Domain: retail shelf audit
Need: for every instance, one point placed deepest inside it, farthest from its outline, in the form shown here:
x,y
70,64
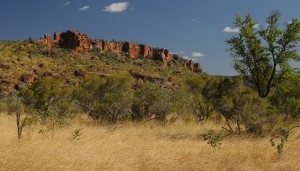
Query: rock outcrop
x,y
46,39
146,77
197,67
56,37
163,55
190,65
76,41
132,49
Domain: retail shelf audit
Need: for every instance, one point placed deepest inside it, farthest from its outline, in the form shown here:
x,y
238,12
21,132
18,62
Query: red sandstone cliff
x,y
76,40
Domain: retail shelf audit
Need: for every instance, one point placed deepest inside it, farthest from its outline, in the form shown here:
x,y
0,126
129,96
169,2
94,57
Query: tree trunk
x,y
18,118
228,124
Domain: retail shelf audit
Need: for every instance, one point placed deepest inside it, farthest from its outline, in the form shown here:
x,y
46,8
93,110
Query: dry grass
x,y
139,147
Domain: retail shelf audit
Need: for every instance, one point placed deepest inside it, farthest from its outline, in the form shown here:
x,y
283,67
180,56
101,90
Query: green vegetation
x,y
214,138
263,56
100,85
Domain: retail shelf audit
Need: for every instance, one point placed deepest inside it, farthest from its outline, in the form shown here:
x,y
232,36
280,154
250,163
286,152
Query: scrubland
x,y
148,146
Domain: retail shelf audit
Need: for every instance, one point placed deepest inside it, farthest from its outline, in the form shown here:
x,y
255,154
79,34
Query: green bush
x,y
213,138
150,102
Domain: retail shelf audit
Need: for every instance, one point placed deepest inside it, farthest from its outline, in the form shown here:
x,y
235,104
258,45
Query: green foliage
x,y
106,99
150,102
199,106
225,97
180,103
213,138
88,96
288,101
50,102
117,96
263,56
284,135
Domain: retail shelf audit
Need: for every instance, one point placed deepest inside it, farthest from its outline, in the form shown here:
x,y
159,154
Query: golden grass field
x,y
139,147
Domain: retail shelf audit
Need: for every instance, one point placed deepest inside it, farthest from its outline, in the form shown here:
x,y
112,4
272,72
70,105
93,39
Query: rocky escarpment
x,y
77,41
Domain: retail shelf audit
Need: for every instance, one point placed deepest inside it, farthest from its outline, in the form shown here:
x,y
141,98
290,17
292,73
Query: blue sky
x,y
192,28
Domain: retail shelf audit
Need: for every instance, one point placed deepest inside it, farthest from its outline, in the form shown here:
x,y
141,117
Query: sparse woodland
x,y
93,114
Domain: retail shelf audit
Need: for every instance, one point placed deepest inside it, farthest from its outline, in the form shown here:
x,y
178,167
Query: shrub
x,y
50,102
214,138
150,102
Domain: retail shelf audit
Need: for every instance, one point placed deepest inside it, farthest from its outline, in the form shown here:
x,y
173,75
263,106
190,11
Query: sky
x,y
194,29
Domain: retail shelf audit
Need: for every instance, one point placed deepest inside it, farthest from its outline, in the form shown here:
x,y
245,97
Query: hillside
x,y
71,56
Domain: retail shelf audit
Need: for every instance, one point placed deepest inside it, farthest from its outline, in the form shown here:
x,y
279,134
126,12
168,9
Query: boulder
x,y
27,78
48,74
36,71
81,73
42,65
146,77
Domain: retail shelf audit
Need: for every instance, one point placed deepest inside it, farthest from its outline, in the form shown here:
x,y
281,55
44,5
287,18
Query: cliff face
x,y
79,41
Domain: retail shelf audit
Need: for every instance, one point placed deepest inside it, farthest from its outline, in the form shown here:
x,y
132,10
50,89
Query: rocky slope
x,y
77,41
72,55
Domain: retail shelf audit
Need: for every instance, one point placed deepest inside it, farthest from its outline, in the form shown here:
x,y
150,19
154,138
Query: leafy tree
x,y
150,102
50,101
14,104
180,104
253,111
200,107
226,100
117,95
105,99
288,101
263,56
88,96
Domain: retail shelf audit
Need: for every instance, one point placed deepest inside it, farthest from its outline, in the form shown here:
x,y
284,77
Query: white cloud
x,y
84,8
116,7
67,3
194,19
235,30
197,54
231,30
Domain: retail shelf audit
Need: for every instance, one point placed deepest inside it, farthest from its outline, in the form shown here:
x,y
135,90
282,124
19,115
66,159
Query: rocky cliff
x,y
77,41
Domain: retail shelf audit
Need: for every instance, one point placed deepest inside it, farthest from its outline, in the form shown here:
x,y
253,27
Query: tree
x,y
288,101
50,101
88,96
117,95
105,99
200,107
14,104
150,102
263,56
